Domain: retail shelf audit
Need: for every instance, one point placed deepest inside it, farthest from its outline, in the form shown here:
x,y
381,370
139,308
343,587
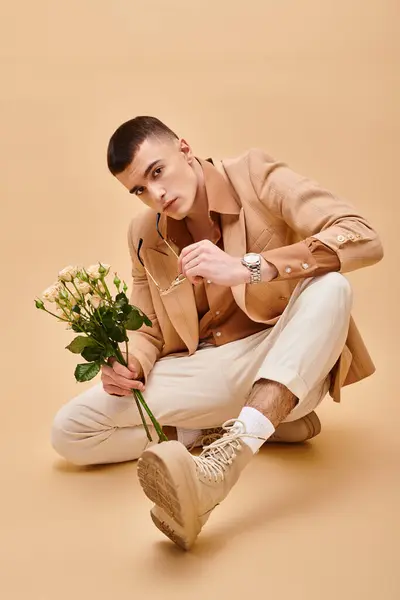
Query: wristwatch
x,y
253,262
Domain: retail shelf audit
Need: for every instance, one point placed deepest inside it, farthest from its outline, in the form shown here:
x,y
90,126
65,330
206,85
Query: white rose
x,y
68,273
51,294
83,287
96,301
93,272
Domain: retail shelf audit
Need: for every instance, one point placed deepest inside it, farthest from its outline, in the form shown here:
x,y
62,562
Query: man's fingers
x,y
134,365
107,371
185,254
192,263
124,371
113,389
110,377
127,384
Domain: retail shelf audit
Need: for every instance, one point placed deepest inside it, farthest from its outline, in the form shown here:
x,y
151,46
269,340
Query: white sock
x,y
256,424
187,437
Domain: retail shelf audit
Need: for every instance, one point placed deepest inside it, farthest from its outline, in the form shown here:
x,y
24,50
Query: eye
x,y
139,191
157,171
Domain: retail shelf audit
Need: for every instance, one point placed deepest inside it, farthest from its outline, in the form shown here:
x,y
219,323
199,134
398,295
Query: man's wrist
x,y
268,270
244,273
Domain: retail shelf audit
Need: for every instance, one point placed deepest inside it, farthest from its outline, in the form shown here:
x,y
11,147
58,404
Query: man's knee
x,y
338,289
65,437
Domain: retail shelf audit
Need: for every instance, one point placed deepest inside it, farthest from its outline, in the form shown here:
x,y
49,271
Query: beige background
x,y
315,84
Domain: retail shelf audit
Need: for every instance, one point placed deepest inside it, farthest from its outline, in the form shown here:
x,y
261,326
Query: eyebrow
x,y
147,171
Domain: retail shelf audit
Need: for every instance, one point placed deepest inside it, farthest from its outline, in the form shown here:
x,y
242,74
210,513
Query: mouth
x,y
169,204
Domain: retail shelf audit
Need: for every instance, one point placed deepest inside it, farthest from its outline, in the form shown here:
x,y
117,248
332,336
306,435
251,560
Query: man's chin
x,y
177,216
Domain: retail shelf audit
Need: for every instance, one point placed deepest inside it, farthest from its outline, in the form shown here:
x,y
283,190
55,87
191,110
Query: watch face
x,y
252,258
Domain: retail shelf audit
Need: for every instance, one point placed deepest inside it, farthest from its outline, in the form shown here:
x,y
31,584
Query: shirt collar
x,y
219,195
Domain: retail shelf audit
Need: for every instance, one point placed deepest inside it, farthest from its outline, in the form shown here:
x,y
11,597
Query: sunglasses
x,y
178,280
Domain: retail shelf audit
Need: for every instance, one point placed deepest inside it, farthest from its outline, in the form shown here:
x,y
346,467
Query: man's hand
x,y
120,380
205,260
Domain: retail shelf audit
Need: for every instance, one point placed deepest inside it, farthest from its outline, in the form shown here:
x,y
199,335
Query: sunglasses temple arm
x,y
171,248
151,277
161,235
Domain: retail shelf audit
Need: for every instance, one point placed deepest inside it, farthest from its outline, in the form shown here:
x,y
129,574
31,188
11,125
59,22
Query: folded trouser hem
x,y
287,377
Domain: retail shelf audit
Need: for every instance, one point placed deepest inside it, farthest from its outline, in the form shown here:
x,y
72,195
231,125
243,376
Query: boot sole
x,y
167,481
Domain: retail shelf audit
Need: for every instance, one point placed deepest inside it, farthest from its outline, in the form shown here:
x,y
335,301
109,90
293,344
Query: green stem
x,y
54,315
82,298
98,291
120,356
161,435
139,399
126,352
103,281
143,420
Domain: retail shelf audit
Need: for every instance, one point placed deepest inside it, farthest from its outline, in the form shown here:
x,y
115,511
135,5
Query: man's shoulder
x,y
251,161
143,224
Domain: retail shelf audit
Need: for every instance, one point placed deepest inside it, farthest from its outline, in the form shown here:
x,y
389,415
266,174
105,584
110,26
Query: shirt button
x,y
340,238
288,270
305,265
218,334
217,312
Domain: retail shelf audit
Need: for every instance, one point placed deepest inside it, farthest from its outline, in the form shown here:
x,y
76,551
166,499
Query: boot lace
x,y
217,456
206,438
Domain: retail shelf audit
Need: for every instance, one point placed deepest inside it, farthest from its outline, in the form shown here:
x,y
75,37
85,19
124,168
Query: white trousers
x,y
211,386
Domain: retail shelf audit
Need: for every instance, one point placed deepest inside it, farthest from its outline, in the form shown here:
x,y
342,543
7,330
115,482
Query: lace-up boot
x,y
187,488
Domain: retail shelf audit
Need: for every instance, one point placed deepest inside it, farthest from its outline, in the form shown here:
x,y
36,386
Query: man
x,y
238,264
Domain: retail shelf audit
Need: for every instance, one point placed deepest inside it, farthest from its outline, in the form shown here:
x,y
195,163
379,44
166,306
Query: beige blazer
x,y
277,209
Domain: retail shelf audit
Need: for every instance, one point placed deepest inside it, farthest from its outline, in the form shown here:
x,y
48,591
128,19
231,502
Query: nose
x,y
159,193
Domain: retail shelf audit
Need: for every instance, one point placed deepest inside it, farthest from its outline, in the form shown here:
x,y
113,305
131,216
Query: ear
x,y
186,150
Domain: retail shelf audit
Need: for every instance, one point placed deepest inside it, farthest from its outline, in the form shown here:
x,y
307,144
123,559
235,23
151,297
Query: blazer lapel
x,y
180,303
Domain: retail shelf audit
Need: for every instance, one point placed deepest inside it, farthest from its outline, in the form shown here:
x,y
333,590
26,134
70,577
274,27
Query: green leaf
x,y
110,351
86,371
121,299
113,329
93,353
147,321
117,334
134,320
124,312
145,318
80,343
107,319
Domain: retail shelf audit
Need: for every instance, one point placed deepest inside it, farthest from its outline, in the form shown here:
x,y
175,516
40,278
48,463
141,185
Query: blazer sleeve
x,y
334,235
146,343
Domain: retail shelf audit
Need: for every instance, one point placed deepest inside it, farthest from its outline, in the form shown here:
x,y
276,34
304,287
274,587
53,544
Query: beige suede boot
x,y
187,488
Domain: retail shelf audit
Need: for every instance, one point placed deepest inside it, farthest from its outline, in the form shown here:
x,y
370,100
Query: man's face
x,y
163,177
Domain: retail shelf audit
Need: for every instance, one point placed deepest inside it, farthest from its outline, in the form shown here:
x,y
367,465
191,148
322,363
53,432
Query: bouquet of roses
x,y
83,300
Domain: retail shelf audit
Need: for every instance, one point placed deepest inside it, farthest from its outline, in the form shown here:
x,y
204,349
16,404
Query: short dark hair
x,y
127,139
